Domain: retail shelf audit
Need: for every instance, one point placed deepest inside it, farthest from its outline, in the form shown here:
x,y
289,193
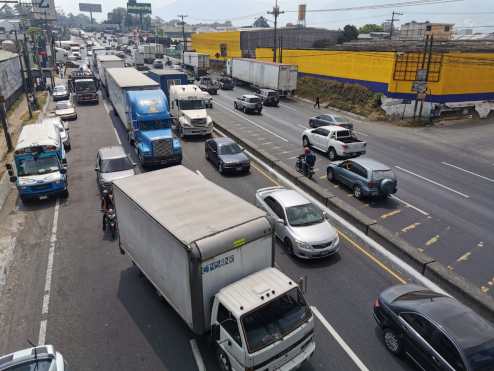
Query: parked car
x,y
269,97
248,103
62,127
206,83
226,83
300,225
364,176
434,330
329,119
226,155
335,141
60,92
42,358
65,110
158,63
112,163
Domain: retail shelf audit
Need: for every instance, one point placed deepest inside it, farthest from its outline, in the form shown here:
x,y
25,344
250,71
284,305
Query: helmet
x,y
306,150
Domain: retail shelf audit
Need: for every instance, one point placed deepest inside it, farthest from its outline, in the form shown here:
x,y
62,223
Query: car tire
x,y
222,360
235,105
330,175
244,109
357,192
287,245
305,142
392,342
221,169
332,155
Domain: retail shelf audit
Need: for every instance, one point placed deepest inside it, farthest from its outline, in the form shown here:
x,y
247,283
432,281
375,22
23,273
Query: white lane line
x,y
253,123
48,277
410,205
199,173
433,182
197,355
116,134
340,340
468,171
288,107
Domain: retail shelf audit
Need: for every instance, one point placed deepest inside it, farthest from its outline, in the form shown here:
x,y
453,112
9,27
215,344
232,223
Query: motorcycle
x,y
110,222
299,166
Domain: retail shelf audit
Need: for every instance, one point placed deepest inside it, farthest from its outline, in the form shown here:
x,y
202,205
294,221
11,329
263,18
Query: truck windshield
x,y
153,125
37,166
275,319
83,86
191,104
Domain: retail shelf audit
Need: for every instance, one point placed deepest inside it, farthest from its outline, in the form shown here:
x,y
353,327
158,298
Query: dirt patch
x,y
348,97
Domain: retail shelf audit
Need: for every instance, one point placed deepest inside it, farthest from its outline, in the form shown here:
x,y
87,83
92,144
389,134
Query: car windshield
x,y
275,319
481,357
303,215
230,149
272,94
253,100
63,105
37,166
116,164
191,104
40,365
85,86
153,125
59,89
382,174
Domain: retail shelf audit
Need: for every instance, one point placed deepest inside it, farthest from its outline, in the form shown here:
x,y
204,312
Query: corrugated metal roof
x,y
5,55
186,204
129,77
252,291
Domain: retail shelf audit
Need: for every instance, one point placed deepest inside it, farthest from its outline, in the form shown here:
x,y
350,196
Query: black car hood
x,y
236,158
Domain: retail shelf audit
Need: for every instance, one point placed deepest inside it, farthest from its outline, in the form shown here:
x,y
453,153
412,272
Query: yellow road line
x,y
264,173
433,240
410,227
464,257
391,213
322,177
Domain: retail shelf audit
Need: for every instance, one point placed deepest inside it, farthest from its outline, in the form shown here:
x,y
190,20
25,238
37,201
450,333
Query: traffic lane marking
x,y
252,122
433,182
410,227
197,355
432,240
410,205
339,339
390,214
468,171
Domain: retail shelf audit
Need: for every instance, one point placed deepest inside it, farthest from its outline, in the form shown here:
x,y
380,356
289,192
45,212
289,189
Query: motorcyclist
x,y
106,204
308,159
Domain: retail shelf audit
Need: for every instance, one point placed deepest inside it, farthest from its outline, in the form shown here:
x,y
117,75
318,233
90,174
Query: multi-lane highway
x,y
68,284
445,179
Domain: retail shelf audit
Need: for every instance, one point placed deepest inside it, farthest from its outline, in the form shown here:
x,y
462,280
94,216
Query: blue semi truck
x,y
143,109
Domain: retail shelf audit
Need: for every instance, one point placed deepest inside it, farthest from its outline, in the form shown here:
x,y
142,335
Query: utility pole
x,y
3,119
184,41
427,70
393,20
426,43
23,76
276,13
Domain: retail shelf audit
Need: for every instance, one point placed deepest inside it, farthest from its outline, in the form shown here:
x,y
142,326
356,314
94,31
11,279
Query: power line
x,y
392,20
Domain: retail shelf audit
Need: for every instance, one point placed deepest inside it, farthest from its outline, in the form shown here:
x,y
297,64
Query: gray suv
x,y
364,176
269,97
248,103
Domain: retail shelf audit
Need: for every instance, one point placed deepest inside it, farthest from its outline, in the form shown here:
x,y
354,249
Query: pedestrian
x,y
317,103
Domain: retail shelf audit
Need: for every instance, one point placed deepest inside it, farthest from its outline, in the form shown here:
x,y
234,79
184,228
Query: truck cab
x,y
189,111
40,163
84,86
151,131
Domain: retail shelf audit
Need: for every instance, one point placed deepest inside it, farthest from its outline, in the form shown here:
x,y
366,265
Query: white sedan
x,y
65,110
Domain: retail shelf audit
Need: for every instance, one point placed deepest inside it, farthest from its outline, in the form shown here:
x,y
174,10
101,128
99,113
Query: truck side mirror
x,y
8,166
13,178
215,332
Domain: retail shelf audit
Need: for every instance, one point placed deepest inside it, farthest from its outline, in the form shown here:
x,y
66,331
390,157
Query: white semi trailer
x,y
210,255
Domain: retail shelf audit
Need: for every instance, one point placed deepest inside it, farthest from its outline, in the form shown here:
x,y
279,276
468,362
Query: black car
x,y
226,83
329,119
226,155
269,97
434,330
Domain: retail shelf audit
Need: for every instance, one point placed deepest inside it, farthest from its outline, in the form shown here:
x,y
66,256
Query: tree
x,y
370,27
261,22
350,33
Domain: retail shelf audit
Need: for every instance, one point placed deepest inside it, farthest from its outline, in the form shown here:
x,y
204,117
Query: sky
x,y
478,14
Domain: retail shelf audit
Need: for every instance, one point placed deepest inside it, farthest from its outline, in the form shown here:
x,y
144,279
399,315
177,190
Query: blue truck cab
x,y
40,165
151,131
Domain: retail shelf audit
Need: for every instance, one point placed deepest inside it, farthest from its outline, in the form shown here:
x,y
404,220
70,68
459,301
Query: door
x,y
319,137
345,172
357,174
230,338
213,152
277,216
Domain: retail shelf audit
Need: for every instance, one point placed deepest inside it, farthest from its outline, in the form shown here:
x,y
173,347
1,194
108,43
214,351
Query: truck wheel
x,y
223,360
65,193
357,192
332,154
221,169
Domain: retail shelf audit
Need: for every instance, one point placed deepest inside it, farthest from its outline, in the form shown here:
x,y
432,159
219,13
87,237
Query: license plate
x,y
239,168
43,197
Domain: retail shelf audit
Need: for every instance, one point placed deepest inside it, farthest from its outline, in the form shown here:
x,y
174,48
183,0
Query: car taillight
x,y
376,303
344,146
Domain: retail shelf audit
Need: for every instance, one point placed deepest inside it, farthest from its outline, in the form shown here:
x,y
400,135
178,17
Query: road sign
x,y
44,4
419,86
138,8
92,8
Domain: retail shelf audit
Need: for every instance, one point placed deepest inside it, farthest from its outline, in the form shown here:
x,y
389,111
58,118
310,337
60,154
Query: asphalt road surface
x,y
444,202
67,282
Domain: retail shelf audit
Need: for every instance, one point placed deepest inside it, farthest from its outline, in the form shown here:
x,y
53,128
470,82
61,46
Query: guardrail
x,y
427,266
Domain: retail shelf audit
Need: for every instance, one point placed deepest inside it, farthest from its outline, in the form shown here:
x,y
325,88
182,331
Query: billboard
x,y
92,8
138,8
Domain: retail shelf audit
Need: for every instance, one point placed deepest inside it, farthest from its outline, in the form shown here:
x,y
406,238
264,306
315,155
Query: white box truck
x,y
210,255
265,75
196,62
107,61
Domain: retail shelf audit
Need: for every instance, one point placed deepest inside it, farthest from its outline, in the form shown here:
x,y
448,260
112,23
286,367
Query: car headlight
x,y
23,188
303,245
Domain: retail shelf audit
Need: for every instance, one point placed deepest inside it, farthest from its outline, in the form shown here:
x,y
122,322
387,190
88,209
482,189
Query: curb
x,y
458,286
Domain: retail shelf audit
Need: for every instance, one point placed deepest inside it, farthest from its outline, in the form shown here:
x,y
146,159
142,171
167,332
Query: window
x,y
428,28
275,206
229,323
447,28
212,145
359,170
419,324
447,350
230,149
321,132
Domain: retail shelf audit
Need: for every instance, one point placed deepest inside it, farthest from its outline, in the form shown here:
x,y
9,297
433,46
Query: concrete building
x,y
418,31
10,77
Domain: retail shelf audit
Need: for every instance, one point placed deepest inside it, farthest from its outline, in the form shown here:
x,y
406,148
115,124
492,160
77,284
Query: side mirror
x,y
13,179
8,166
280,221
96,169
63,171
215,332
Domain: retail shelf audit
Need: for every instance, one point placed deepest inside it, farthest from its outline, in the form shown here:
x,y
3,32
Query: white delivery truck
x,y
187,104
61,55
210,255
197,63
107,61
151,51
265,75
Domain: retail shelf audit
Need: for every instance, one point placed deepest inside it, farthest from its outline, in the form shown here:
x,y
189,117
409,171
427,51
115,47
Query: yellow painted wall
x,y
468,73
209,43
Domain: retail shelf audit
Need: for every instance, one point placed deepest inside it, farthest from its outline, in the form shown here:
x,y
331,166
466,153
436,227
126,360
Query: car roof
x,y
223,140
250,96
370,163
112,152
289,198
333,128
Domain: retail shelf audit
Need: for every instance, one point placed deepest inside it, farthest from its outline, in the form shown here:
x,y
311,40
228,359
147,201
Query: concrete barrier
x,y
426,265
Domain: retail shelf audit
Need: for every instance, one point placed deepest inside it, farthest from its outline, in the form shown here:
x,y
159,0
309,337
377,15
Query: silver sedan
x,y
300,225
